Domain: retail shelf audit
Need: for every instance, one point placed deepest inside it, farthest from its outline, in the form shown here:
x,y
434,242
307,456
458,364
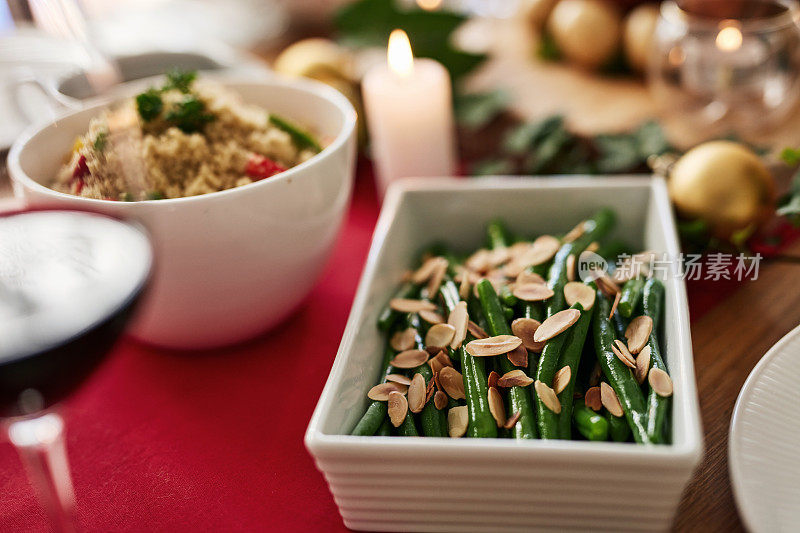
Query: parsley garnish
x,y
180,80
100,141
149,104
189,115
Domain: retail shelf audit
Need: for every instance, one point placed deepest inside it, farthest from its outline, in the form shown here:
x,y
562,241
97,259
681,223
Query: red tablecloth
x,y
170,441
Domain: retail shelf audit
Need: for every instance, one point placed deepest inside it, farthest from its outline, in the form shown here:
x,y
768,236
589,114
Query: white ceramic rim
x,y
734,466
311,87
691,451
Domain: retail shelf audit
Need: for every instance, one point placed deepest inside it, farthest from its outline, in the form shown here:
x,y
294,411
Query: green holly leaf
x,y
476,110
651,140
618,153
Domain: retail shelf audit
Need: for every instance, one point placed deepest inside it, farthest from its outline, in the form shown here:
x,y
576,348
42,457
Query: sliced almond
x,y
605,282
556,324
609,399
532,292
642,364
406,305
437,277
561,379
435,365
479,261
638,333
529,277
518,356
493,345
452,382
457,421
622,353
424,273
525,329
443,358
498,256
515,378
592,398
660,382
381,391
548,396
409,359
496,407
577,292
440,335
511,422
416,394
398,408
617,298
493,377
593,247
399,378
403,340
476,331
463,289
570,268
440,400
431,317
544,248
459,319
575,232
430,389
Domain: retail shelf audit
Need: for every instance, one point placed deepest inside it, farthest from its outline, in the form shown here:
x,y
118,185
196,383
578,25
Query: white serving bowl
x,y
230,264
438,484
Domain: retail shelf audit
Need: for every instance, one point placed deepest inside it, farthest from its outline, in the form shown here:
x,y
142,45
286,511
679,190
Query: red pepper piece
x,y
81,169
259,167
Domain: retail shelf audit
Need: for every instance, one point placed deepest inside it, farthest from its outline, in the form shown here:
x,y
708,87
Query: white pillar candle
x,y
409,109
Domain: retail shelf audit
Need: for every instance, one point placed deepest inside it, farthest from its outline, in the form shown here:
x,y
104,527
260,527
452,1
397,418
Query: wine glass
x,y
722,67
69,282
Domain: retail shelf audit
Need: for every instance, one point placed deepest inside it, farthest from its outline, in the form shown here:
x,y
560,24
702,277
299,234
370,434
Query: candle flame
x,y
729,38
401,60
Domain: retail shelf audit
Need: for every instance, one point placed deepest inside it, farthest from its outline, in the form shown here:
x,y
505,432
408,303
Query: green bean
x,y
545,369
631,296
519,400
497,234
620,325
385,429
376,412
618,375
432,420
657,406
571,357
588,423
618,428
408,428
473,372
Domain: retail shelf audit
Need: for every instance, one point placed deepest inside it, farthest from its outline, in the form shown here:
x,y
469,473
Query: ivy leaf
x,y
476,110
521,139
493,167
618,153
651,140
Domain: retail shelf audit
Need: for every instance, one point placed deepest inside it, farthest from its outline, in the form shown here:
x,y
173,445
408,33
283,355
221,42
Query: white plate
x,y
763,442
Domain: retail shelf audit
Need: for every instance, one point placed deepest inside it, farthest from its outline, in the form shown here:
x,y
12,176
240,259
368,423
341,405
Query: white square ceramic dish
x,y
432,484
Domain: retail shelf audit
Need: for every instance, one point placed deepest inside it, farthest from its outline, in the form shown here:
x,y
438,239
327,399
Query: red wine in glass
x,y
69,282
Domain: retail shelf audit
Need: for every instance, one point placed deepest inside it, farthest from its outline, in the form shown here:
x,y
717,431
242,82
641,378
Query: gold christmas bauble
x,y
637,35
723,183
315,58
587,32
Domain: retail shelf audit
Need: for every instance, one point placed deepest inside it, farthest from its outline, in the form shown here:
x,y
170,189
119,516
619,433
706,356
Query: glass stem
x,y
40,443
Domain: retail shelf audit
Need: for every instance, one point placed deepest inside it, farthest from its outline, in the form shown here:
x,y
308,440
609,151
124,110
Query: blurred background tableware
x,y
69,283
722,67
233,263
